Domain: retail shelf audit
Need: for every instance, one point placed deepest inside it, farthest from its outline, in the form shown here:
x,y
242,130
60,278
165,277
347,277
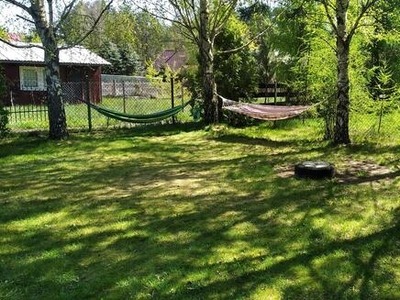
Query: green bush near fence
x,y
4,130
3,112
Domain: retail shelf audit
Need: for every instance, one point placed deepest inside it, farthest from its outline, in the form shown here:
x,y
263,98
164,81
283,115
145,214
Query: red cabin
x,y
24,72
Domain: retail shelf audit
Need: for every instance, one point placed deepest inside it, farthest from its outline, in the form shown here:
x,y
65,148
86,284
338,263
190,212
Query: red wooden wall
x,y
73,79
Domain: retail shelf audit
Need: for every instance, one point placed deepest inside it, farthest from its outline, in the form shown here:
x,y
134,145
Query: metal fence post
x,y
182,93
89,111
123,96
172,97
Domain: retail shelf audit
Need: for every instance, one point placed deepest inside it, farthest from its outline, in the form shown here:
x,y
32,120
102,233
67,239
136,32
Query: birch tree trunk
x,y
211,108
341,135
57,118
202,21
48,16
45,28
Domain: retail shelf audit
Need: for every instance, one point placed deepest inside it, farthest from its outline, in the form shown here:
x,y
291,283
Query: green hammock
x,y
132,118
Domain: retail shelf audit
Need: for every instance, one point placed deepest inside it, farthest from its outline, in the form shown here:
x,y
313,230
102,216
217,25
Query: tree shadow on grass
x,y
165,252
26,143
321,145
321,287
21,146
353,179
287,147
163,226
156,130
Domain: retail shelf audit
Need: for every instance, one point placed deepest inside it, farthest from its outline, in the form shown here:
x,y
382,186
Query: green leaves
x,y
236,73
123,58
3,112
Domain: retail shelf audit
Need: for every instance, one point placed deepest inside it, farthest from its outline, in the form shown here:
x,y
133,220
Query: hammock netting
x,y
135,118
264,112
257,111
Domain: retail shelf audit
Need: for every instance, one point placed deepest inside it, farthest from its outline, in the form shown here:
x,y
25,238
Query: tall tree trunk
x,y
341,135
211,108
57,118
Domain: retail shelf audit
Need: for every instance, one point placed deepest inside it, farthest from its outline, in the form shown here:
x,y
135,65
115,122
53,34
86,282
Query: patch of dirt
x,y
363,171
350,171
285,171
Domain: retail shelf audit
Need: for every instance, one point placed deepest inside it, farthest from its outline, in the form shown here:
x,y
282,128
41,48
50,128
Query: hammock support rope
x,y
134,118
264,112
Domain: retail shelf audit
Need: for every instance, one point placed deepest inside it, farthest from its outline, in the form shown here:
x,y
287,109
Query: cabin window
x,y
32,78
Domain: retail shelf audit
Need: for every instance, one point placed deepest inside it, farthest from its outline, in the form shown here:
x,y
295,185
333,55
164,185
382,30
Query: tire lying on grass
x,y
314,170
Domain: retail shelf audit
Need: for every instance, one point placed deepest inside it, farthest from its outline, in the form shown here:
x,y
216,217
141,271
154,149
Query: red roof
x,y
174,59
16,37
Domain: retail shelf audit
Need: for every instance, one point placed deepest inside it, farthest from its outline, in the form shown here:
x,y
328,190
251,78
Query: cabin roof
x,y
30,53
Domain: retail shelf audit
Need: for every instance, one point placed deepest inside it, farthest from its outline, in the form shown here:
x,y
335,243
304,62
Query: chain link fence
x,y
380,120
140,95
124,94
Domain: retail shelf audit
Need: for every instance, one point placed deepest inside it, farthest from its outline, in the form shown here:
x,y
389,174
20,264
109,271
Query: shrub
x,y
3,112
4,130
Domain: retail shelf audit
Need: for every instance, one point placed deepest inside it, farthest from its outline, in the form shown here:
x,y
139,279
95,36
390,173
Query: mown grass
x,y
182,212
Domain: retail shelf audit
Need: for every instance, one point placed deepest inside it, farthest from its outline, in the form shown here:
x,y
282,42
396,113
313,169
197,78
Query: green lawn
x,y
190,213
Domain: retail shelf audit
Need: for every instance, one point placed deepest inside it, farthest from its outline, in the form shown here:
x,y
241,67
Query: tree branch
x,y
253,38
364,9
25,19
64,15
81,39
246,44
221,16
51,13
328,43
18,4
328,15
26,46
158,16
189,22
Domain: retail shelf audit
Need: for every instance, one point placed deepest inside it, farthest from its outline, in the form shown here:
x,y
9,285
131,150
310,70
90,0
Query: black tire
x,y
314,170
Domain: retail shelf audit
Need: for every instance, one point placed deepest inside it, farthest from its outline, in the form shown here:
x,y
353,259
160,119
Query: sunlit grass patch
x,y
195,214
